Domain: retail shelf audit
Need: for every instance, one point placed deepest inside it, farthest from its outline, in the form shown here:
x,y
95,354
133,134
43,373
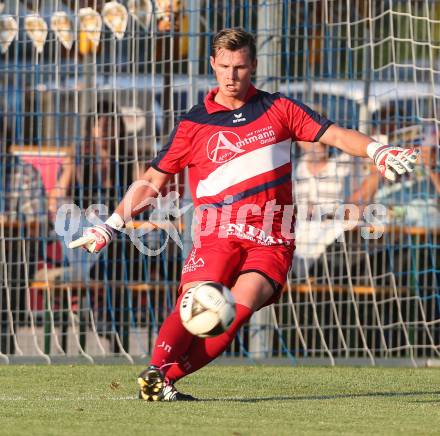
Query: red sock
x,y
202,351
172,341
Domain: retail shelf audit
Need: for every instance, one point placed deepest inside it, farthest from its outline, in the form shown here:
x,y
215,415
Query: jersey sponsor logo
x,y
264,136
254,234
238,118
222,146
193,263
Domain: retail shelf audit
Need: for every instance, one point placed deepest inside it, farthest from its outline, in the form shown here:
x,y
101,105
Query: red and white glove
x,y
392,161
97,237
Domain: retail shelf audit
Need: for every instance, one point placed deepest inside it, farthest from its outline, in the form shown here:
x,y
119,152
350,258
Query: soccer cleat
x,y
170,393
152,383
154,387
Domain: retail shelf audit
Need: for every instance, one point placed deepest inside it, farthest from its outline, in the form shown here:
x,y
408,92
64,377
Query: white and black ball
x,y
207,309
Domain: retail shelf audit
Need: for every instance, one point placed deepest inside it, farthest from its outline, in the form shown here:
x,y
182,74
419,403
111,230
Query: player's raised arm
x,y
390,161
135,201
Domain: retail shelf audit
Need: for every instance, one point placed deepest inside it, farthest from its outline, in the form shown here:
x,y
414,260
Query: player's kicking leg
x,y
154,386
250,292
172,341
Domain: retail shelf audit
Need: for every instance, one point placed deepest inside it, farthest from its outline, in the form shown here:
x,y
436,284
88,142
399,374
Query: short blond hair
x,y
233,40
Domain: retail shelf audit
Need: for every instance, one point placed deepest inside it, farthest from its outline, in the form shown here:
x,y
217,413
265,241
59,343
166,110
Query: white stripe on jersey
x,y
245,167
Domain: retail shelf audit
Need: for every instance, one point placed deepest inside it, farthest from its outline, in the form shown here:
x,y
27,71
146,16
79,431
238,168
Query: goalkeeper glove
x,y
392,161
97,237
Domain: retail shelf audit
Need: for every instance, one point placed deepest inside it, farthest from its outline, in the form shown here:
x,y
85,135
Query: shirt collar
x,y
212,106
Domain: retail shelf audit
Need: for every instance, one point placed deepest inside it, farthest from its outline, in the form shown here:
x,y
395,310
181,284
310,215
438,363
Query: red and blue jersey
x,y
241,157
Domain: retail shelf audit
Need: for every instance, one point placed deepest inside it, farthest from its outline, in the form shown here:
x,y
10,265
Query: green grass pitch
x,y
237,400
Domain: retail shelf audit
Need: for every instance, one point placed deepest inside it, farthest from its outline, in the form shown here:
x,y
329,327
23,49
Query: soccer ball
x,y
207,310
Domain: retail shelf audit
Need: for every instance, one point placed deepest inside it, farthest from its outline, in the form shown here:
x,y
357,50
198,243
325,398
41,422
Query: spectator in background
x,y
431,158
322,183
23,218
99,173
101,166
414,208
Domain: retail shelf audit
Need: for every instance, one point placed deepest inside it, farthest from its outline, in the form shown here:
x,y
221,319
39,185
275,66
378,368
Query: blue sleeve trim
x,y
323,129
155,166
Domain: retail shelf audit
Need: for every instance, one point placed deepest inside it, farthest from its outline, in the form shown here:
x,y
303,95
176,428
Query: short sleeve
x,y
304,123
174,156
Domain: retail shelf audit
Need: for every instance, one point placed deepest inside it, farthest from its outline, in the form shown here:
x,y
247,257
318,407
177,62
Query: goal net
x,y
91,90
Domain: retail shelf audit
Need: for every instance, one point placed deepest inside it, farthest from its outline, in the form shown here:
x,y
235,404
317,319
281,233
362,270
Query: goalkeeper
x,y
237,146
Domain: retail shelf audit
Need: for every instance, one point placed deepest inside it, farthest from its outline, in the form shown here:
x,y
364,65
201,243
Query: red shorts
x,y
223,260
